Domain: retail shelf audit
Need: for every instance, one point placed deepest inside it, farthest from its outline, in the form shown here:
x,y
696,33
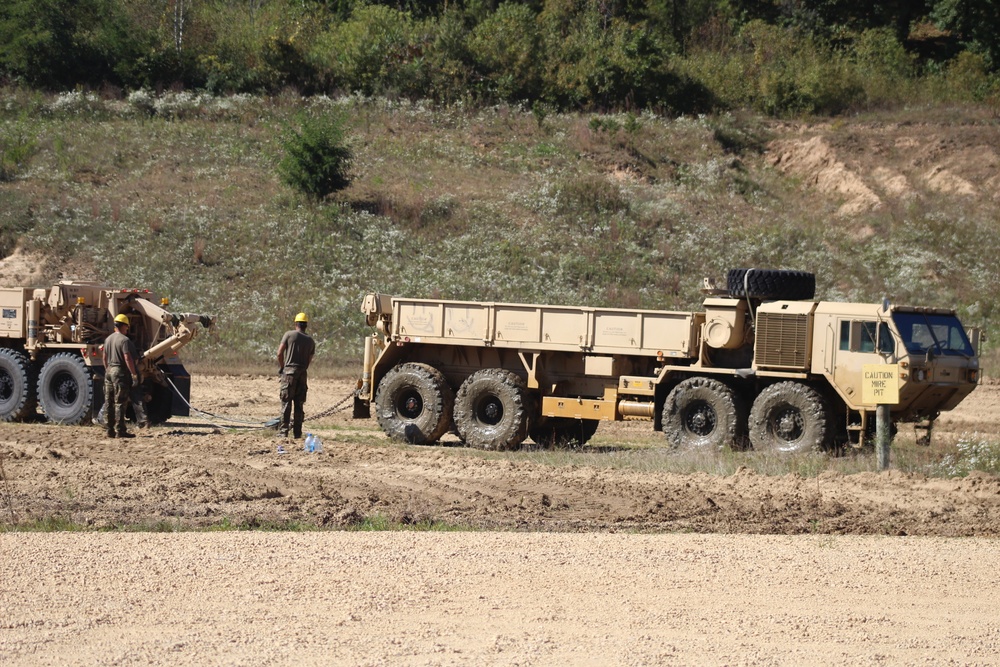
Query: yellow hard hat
x,y
301,317
121,319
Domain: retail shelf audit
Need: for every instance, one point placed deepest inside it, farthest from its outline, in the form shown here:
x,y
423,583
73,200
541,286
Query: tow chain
x,y
339,407
271,423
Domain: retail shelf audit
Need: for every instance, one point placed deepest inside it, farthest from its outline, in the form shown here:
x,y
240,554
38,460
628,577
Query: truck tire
x,y
790,417
492,409
17,386
771,284
563,432
703,413
414,404
66,390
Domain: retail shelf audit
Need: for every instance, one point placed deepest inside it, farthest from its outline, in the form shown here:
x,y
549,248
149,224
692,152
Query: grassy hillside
x,y
180,194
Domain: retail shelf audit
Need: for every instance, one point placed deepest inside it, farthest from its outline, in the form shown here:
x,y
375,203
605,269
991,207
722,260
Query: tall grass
x,y
180,193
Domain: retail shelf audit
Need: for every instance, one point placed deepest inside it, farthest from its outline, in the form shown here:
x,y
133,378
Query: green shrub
x,y
605,62
317,159
507,49
967,78
777,70
377,50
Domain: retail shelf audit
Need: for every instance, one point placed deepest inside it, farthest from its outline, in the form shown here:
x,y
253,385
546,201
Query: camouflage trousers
x,y
293,396
117,390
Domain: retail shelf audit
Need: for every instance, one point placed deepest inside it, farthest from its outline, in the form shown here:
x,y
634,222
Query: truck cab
x,y
937,361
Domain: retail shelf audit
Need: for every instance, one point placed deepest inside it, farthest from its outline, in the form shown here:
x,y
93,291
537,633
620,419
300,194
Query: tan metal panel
x,y
578,408
670,333
467,321
566,327
617,329
518,324
417,319
637,385
12,312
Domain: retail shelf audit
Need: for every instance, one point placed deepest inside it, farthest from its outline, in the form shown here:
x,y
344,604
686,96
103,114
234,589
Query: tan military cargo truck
x,y
51,350
763,364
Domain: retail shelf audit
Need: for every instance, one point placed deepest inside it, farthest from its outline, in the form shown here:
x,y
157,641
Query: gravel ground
x,y
595,565
496,599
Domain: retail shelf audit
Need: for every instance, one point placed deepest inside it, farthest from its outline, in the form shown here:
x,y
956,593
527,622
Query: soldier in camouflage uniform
x,y
294,354
120,358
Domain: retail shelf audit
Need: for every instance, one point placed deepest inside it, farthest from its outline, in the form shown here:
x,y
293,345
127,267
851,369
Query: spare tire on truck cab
x,y
771,284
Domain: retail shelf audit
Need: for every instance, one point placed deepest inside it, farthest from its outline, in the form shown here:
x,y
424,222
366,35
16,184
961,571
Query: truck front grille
x,y
782,341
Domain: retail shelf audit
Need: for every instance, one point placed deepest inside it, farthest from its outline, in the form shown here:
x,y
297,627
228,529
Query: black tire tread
x,y
771,284
81,411
815,411
512,430
436,395
24,400
729,410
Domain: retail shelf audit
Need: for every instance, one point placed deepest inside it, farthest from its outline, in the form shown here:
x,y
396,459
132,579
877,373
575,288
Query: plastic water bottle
x,y
310,445
317,444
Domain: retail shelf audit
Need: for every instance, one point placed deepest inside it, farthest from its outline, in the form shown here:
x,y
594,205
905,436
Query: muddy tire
x,y
790,417
66,389
771,284
558,432
703,413
492,409
414,404
17,386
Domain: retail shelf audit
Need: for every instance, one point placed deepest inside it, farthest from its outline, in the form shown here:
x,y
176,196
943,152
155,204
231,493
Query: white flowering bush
x,y
183,104
973,452
75,103
142,102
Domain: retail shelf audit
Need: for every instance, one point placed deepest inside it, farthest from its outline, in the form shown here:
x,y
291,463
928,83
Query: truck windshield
x,y
941,333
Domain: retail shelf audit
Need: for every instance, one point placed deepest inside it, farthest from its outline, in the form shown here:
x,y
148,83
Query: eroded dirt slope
x,y
871,165
191,472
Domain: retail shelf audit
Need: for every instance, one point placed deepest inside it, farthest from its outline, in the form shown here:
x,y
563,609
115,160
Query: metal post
x,y
883,433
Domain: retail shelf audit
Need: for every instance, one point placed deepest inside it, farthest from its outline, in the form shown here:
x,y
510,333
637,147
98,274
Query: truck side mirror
x,y
976,337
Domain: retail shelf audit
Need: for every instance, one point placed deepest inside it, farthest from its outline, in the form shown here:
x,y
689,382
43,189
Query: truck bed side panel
x,y
559,328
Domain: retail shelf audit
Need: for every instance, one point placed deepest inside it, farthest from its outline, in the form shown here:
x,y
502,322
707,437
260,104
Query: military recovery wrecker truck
x,y
763,365
51,350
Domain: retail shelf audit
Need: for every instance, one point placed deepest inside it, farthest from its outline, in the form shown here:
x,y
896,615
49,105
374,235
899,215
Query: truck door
x,y
859,342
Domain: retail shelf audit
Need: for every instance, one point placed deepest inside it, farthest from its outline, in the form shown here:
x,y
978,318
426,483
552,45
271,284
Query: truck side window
x,y
867,342
857,336
886,344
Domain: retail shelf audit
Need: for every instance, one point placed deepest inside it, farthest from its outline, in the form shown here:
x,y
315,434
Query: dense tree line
x,y
779,56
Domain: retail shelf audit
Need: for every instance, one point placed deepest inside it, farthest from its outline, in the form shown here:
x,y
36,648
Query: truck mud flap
x,y
182,380
362,409
98,400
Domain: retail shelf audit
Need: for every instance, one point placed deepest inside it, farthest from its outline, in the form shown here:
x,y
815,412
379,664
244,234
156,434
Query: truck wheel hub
x,y
701,420
490,411
789,425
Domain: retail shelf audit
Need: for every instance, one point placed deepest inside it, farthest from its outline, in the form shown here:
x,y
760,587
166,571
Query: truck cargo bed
x,y
565,328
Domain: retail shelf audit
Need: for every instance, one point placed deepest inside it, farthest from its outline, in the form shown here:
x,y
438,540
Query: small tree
x,y
316,160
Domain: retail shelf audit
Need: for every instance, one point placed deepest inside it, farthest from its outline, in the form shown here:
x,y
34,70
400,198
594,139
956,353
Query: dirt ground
x,y
197,471
742,569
